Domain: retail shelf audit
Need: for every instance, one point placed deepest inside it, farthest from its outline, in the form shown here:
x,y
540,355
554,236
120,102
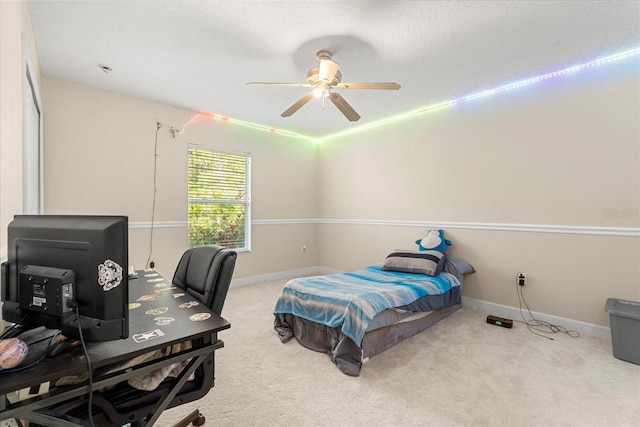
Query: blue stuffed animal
x,y
434,241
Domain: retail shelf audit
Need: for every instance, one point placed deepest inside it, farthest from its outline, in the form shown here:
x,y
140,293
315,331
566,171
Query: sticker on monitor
x,y
109,275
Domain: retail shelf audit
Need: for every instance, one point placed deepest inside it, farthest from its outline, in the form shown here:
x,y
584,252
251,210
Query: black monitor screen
x,y
59,265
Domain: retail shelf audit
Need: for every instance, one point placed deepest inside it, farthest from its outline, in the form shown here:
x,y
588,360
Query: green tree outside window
x,y
219,188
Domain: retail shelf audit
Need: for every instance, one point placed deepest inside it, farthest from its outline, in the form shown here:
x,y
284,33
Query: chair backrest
x,y
205,273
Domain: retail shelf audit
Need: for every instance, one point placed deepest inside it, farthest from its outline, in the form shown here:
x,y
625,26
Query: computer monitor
x,y
58,262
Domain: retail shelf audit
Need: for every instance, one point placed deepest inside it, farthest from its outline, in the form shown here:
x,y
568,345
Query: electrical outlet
x,y
521,278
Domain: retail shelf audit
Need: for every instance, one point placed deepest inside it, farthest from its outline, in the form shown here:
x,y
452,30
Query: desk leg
x,y
48,420
182,379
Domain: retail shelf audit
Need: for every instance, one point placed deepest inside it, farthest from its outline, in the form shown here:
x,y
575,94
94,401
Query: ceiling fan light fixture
x,y
322,79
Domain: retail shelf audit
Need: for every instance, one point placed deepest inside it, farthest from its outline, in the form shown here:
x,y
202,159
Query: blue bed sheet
x,y
350,300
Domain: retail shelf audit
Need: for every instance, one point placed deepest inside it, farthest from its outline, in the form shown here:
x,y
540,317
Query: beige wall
x,y
565,152
15,24
99,159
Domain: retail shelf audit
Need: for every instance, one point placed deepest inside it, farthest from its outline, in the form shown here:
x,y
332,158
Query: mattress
x,y
351,300
384,328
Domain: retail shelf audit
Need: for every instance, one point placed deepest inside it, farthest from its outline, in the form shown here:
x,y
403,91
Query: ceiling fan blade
x,y
279,84
328,70
344,107
368,85
297,105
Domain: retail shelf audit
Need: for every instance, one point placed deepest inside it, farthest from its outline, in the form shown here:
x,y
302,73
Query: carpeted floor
x,y
460,372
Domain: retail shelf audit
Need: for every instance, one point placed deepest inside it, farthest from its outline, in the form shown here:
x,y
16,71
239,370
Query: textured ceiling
x,y
199,54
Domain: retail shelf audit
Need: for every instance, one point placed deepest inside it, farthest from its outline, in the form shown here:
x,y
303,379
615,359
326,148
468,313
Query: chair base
x,y
195,418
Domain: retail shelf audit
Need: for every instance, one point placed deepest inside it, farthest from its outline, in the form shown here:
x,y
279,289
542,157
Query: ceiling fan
x,y
324,78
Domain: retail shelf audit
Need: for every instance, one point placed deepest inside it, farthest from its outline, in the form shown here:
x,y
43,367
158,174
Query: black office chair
x,y
205,273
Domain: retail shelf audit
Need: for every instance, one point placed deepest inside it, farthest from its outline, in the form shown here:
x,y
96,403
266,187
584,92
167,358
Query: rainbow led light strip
x,y
428,109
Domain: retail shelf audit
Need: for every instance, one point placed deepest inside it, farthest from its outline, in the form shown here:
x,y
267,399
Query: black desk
x,y
185,327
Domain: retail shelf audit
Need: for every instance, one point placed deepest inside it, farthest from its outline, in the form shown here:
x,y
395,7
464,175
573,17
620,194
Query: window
x,y
219,198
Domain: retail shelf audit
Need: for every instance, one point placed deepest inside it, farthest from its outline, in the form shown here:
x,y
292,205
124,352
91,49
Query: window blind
x,y
219,189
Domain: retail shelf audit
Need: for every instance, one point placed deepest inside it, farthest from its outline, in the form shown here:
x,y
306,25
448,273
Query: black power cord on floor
x,y
537,326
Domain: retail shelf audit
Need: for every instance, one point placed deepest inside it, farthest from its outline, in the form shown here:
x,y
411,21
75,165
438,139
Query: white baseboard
x,y
514,313
282,275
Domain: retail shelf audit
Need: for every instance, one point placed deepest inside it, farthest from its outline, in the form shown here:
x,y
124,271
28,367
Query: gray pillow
x,y
458,267
430,263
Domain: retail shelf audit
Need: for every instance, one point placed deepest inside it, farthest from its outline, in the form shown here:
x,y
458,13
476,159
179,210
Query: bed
x,y
356,315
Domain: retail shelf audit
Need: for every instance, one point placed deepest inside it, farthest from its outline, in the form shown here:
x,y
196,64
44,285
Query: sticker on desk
x,y
163,321
165,289
157,311
151,275
146,336
199,317
178,295
133,305
161,285
159,279
148,297
188,304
